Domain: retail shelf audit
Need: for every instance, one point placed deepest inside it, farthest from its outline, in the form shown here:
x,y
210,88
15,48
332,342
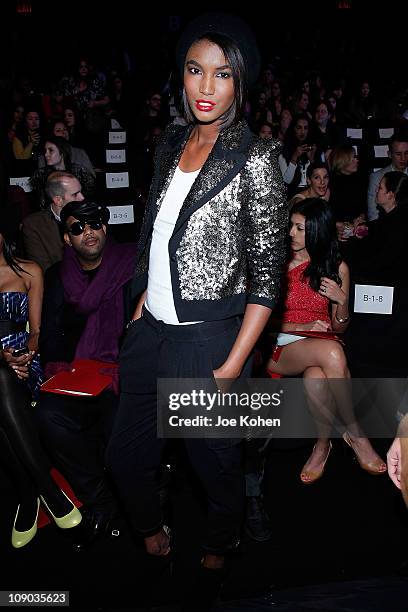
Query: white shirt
x,y
288,171
159,299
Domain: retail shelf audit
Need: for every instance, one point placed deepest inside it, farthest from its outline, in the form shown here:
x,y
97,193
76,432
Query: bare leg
x,y
403,435
322,407
320,401
296,357
404,469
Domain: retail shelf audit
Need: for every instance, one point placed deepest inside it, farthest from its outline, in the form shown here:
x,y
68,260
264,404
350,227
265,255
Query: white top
x,y
288,171
159,299
283,339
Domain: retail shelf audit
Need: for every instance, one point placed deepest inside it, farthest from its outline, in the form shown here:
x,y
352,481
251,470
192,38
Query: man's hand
x,y
394,462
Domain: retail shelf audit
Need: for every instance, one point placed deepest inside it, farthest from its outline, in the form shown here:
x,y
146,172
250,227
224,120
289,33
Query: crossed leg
x,y
328,388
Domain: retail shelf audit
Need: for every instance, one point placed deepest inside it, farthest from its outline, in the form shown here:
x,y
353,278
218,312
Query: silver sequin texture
x,y
238,233
213,230
233,243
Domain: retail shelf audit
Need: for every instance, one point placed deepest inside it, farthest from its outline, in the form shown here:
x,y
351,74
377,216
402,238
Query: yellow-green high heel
x,y
72,519
21,538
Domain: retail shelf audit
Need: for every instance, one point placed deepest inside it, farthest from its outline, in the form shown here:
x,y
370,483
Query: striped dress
x,y
14,307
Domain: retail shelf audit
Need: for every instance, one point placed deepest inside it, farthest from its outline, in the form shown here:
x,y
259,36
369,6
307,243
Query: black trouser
x,y
20,448
75,432
255,457
153,350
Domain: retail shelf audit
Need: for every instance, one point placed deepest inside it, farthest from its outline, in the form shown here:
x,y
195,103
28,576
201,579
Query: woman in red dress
x,y
316,310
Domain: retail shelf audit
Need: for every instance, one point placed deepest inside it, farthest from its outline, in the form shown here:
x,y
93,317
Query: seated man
x,y
42,235
398,153
85,308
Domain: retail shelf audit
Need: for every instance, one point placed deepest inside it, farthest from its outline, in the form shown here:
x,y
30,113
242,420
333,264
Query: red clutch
x,y
84,379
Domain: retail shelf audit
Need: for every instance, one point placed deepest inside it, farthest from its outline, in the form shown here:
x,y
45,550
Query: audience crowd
x,y
88,142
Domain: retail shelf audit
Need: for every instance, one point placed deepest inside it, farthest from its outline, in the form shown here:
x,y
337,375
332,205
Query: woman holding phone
x,y
21,454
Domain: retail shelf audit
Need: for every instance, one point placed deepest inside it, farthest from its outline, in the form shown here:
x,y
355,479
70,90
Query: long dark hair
x,y
397,182
234,58
9,230
290,141
22,132
64,148
320,241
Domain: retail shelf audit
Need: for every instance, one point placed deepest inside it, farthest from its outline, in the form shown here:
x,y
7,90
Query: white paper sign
x,y
373,299
355,133
115,156
115,180
117,137
115,125
385,132
121,214
381,150
23,182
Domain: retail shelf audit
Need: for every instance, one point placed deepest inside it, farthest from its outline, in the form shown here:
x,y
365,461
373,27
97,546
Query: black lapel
x,y
168,156
227,158
225,161
168,161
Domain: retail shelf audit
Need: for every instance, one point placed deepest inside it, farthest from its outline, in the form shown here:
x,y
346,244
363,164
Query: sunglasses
x,y
78,228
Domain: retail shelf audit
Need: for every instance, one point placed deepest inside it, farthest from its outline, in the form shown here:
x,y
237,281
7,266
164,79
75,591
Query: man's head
x,y
85,225
398,152
61,188
153,103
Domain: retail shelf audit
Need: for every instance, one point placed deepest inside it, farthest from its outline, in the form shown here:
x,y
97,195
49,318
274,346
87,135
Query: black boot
x,y
257,523
203,591
95,525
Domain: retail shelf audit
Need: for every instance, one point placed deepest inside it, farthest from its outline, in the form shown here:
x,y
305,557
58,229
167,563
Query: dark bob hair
x,y
235,60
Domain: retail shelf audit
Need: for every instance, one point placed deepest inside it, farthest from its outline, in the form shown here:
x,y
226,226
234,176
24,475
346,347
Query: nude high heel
x,y
372,467
310,476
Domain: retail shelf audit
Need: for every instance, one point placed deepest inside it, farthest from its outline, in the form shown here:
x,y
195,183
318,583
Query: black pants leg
x,y
220,471
255,457
74,432
22,453
134,451
152,350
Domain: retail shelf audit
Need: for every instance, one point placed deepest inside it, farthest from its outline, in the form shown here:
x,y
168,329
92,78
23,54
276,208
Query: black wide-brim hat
x,y
85,211
228,25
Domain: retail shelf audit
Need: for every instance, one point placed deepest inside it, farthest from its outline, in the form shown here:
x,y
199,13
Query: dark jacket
x,y
381,257
228,244
42,238
61,325
348,195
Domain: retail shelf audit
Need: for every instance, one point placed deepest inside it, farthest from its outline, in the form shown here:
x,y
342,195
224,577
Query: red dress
x,y
302,305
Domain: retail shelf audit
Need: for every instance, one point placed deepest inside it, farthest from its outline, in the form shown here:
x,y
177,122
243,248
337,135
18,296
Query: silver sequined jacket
x,y
228,245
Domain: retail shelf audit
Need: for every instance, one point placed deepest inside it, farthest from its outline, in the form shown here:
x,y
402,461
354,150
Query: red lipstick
x,y
204,105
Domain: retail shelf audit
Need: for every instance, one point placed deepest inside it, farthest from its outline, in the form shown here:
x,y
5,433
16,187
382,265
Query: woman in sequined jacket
x,y
210,258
